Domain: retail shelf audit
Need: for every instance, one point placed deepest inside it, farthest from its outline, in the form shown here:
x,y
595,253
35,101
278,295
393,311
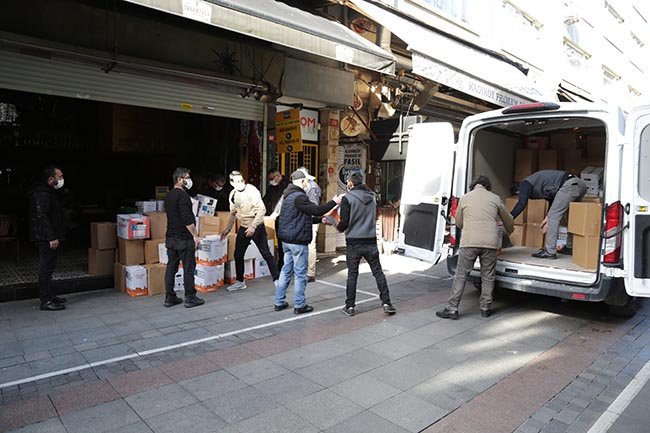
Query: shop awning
x,y
457,65
281,24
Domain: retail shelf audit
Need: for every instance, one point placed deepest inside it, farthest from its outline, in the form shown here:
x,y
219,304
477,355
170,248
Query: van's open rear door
x,y
426,190
635,195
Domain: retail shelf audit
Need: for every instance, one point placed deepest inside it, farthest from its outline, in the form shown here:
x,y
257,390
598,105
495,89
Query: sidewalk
x,y
235,365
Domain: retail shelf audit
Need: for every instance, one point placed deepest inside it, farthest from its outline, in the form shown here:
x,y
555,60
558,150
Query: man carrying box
x,y
247,207
181,240
559,188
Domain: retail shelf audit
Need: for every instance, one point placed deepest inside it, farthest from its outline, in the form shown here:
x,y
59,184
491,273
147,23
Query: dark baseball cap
x,y
298,174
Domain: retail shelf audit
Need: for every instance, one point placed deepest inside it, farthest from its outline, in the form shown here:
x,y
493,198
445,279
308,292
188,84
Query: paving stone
x,y
52,425
442,394
409,412
240,404
160,400
138,381
288,387
277,420
366,422
191,419
138,427
530,426
79,397
365,390
103,418
212,385
567,416
26,412
188,368
544,414
324,408
257,371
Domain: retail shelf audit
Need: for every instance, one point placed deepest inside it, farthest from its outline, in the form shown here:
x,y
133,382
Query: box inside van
x,y
603,146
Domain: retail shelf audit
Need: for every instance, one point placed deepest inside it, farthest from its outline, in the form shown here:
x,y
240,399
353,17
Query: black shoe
x,y
193,301
281,307
349,311
52,306
566,251
311,279
59,300
170,301
486,312
447,314
543,254
304,309
389,309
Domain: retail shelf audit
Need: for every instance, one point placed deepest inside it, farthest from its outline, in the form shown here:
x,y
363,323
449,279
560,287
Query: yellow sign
x,y
287,131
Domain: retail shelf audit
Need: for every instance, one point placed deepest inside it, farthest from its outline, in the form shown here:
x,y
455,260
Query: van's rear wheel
x,y
626,310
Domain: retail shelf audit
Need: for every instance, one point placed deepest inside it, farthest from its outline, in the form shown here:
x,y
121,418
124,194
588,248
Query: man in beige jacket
x,y
247,207
477,215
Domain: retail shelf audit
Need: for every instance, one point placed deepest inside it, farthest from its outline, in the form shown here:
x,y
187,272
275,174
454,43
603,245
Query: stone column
x,y
329,143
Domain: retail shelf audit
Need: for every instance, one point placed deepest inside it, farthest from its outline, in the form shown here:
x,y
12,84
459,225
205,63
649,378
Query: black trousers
x,y
46,265
280,249
180,250
353,256
241,244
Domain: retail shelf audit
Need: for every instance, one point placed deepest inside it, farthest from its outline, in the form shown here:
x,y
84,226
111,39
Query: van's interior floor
x,y
523,255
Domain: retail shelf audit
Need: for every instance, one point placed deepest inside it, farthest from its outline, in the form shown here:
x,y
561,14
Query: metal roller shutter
x,y
87,81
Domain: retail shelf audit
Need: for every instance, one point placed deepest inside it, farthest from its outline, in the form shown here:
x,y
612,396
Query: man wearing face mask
x,y
273,202
47,230
221,191
247,207
181,240
296,219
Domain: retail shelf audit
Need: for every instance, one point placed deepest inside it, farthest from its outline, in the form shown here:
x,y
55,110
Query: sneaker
x,y
566,251
486,312
543,254
59,300
304,309
389,309
447,314
311,279
239,285
193,301
349,311
170,301
52,306
281,306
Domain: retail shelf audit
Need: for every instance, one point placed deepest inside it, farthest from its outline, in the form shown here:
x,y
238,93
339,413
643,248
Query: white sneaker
x,y
239,285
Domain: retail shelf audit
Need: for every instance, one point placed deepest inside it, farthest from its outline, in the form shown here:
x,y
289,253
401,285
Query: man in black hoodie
x,y
295,232
358,216
47,230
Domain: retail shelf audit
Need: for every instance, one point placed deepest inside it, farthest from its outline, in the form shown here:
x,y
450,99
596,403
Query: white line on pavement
x,y
179,345
327,283
607,419
433,277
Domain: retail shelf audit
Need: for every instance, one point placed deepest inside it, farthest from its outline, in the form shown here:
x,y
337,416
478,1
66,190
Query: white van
x,y
439,170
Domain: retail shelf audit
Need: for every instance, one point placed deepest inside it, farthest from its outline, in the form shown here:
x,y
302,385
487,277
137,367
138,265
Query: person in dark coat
x,y
47,229
272,201
221,191
295,231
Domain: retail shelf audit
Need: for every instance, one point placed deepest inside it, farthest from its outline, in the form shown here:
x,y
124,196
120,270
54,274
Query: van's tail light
x,y
613,222
452,221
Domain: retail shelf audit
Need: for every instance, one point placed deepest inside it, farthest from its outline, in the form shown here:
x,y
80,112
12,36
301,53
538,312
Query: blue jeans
x,y
295,262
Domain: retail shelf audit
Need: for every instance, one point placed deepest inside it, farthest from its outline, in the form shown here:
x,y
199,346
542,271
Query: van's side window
x,y
644,164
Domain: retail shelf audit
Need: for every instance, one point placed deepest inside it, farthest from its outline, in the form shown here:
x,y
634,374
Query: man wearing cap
x,y
358,217
314,193
295,232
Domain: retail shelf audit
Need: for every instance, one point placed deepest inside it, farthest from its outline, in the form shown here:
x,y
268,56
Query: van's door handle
x,y
444,200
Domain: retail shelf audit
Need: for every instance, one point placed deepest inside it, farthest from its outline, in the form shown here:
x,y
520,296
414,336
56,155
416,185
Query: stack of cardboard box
x,y
211,256
528,223
518,236
132,231
584,223
101,254
593,178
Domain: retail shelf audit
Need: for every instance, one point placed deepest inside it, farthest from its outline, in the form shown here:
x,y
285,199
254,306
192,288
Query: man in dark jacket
x,y
47,230
295,232
560,189
358,216
272,202
181,240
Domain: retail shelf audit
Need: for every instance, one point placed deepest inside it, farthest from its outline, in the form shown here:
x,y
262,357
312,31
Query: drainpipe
x,y
383,40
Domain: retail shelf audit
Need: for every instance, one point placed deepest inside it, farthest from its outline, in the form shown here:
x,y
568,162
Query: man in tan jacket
x,y
247,207
477,215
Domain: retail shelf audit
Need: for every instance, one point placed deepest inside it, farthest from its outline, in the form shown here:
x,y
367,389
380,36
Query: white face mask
x,y
274,183
187,183
240,186
218,188
58,184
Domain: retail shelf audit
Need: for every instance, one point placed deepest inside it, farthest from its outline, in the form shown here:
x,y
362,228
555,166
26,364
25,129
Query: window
x,y
580,31
644,164
528,33
457,9
614,13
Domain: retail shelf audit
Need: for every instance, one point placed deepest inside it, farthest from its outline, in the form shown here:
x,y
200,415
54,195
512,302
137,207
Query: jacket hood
x,y
362,193
40,187
291,189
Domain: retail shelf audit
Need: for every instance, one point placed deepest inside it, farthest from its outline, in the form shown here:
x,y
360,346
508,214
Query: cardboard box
x,y
151,255
534,236
207,205
591,199
162,253
593,177
119,277
146,206
100,262
535,142
209,225
231,241
596,146
131,252
269,223
525,163
537,210
262,269
208,278
160,205
571,161
212,251
156,279
136,280
231,272
518,236
158,222
252,252
585,218
586,251
223,221
103,235
562,237
510,203
160,192
133,226
547,160
179,280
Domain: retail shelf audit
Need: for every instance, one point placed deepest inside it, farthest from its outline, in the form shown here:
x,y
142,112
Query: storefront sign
x,y
197,10
288,131
351,157
309,125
